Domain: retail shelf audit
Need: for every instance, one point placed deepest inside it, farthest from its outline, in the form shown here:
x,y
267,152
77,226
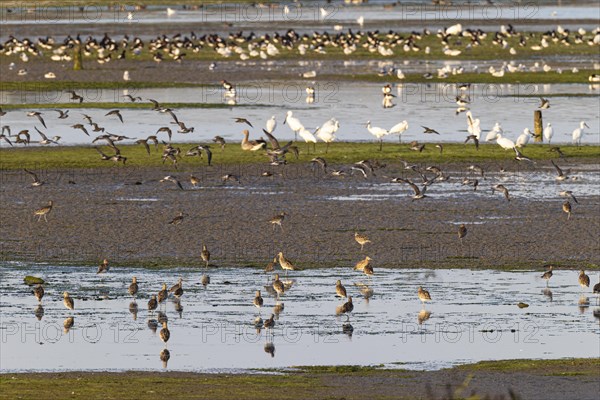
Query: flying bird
x,y
115,112
243,121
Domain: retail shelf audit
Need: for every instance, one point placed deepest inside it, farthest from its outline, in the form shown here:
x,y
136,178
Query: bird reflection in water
x,y
133,309
68,324
278,308
548,293
179,308
39,312
153,325
162,317
270,348
205,280
348,329
423,316
165,355
258,324
584,303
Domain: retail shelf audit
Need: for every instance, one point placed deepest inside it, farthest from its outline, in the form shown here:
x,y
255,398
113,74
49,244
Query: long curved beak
x,y
586,125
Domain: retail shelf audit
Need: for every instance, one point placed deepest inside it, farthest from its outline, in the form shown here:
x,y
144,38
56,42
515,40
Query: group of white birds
x,y
327,131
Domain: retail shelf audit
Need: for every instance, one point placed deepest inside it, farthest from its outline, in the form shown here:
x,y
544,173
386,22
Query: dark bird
x,y
165,129
567,208
38,292
172,114
562,175
462,232
145,143
243,121
474,139
62,114
501,189
36,180
38,115
155,104
80,127
220,141
320,161
520,157
544,103
177,220
115,112
340,290
419,193
44,211
104,267
75,96
556,149
568,193
133,287
548,274
173,179
132,99
429,130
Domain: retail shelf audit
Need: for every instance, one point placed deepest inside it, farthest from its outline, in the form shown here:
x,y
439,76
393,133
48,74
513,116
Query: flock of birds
x,y
277,151
453,41
275,286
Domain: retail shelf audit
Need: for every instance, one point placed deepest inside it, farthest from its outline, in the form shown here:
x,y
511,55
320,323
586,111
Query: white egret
x,y
548,132
271,124
505,143
523,139
399,129
579,132
308,138
474,125
497,129
293,122
378,132
326,132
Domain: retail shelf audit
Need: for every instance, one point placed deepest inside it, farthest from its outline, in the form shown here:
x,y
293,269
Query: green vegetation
x,y
32,280
348,382
65,157
139,385
340,369
472,77
566,367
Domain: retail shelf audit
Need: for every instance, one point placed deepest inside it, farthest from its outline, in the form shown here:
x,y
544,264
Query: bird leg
x,y
380,144
326,147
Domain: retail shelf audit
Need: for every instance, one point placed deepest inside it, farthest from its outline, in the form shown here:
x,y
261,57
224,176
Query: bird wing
x,y
41,120
35,177
172,114
41,134
100,151
274,142
560,172
145,143
155,103
414,187
243,121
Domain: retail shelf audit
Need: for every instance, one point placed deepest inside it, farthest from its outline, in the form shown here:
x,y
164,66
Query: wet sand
x,y
122,214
